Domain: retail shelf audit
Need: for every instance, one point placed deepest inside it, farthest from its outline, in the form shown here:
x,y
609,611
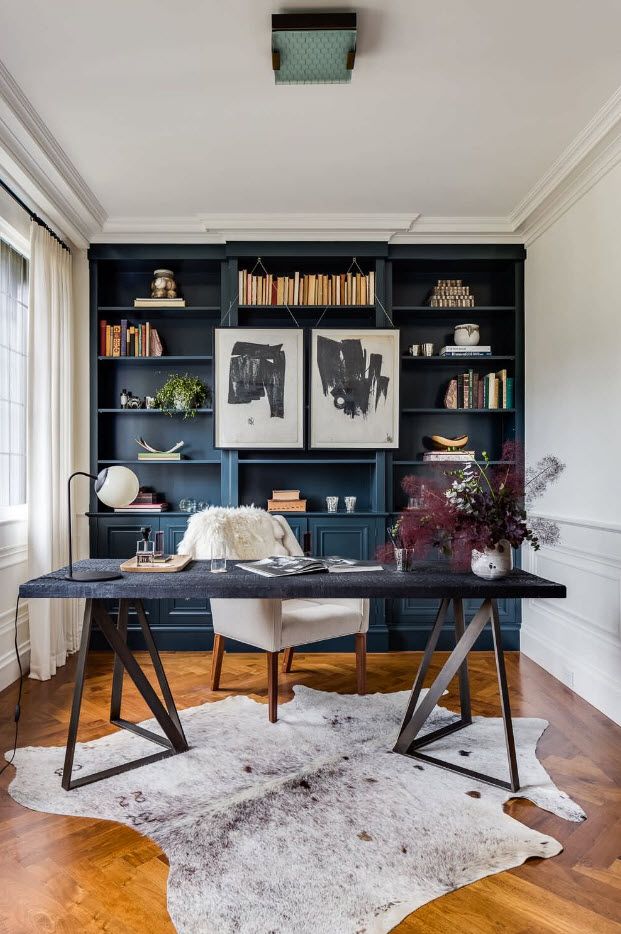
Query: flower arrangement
x,y
182,394
476,507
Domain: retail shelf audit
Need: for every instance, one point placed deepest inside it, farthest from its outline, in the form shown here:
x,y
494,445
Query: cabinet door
x,y
182,618
116,538
354,537
298,525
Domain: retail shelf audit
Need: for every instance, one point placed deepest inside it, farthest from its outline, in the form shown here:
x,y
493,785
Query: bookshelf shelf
x,y
457,312
166,360
319,308
159,310
442,411
456,361
209,279
421,463
148,412
182,463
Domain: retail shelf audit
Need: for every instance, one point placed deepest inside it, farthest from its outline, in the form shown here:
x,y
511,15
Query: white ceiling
x,y
456,107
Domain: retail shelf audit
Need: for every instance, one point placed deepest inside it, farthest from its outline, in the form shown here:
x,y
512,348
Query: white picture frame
x,y
259,388
365,413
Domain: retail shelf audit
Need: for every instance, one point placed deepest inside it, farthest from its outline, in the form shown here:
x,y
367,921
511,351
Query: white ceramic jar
x,y
466,335
492,563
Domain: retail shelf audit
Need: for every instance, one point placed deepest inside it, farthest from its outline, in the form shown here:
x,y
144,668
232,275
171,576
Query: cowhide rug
x,y
311,824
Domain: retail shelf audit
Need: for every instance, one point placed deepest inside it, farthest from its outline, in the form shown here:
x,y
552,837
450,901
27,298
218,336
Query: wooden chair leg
x,y
361,662
287,659
216,661
272,685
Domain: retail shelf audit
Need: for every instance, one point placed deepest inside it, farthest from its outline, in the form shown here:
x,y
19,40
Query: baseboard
x,y
9,669
590,683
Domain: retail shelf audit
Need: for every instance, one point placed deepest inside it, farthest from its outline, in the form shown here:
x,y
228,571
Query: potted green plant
x,y
182,395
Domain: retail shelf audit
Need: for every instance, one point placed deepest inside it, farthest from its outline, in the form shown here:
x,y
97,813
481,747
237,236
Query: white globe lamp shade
x,y
117,486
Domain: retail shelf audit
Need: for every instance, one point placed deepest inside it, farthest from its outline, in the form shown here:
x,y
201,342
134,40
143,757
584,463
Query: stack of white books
x,y
479,350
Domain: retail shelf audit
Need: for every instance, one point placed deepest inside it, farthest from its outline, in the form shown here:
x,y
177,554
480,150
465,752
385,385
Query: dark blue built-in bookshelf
x,y
207,276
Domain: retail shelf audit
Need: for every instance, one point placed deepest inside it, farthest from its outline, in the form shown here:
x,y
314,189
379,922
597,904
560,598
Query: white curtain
x,y
54,624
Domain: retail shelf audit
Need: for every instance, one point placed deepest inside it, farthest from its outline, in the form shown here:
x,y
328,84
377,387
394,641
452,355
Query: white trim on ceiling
x,y
34,163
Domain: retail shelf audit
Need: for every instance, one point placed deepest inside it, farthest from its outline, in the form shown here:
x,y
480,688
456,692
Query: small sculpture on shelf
x,y
163,285
451,293
133,402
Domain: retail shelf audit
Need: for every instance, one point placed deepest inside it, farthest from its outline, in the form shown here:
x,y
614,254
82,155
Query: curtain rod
x,y
33,216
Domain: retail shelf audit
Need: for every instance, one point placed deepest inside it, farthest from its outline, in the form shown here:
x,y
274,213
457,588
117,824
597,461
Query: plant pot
x,y
180,405
404,558
492,563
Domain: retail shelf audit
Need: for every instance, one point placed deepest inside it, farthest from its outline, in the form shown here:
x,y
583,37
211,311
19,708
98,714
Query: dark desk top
x,y
431,581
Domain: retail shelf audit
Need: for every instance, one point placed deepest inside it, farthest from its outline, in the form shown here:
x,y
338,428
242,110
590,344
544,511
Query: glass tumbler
x,y
218,556
332,503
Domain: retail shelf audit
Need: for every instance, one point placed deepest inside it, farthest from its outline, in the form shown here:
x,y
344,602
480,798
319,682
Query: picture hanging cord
x,y
355,263
17,709
259,262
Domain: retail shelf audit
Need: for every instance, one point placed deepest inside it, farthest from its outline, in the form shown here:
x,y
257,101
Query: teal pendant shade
x,y
313,48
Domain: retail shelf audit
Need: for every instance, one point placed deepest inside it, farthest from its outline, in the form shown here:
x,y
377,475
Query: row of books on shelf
x,y
472,390
344,289
129,340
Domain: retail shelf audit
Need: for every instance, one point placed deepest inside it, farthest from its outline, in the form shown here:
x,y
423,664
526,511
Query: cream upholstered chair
x,y
272,625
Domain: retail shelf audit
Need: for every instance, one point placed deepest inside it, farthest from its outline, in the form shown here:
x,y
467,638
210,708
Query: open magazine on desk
x,y
285,566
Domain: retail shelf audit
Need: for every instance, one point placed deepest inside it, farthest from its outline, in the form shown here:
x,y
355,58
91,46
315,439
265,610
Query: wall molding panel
x,y
9,669
578,640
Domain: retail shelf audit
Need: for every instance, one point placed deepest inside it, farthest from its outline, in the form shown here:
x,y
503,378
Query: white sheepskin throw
x,y
246,532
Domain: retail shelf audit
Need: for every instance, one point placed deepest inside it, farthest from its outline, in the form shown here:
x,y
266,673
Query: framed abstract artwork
x,y
259,388
355,388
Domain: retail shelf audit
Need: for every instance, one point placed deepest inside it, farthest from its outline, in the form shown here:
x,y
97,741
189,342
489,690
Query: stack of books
x,y
479,350
451,293
128,340
159,303
349,288
286,501
146,501
448,457
472,390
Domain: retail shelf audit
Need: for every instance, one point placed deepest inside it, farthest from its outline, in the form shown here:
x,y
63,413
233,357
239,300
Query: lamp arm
x,y
78,473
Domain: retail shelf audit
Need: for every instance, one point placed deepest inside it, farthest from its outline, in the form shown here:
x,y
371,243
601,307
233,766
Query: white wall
x,y
573,402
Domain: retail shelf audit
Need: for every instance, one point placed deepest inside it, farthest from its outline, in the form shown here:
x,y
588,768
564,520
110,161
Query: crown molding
x,y
35,165
220,228
429,229
590,156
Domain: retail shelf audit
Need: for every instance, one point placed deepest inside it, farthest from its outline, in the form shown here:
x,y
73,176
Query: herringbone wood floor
x,y
77,876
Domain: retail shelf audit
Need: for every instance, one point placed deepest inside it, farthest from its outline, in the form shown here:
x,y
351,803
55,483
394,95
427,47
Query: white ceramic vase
x,y
466,335
492,563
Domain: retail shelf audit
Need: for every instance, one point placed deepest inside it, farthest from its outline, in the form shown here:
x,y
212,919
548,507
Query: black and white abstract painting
x,y
259,394
355,389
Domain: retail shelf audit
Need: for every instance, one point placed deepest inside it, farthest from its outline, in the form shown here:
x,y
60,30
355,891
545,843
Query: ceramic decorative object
x,y
492,563
466,335
163,285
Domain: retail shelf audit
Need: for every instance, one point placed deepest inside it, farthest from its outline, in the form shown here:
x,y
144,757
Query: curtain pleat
x,y
54,624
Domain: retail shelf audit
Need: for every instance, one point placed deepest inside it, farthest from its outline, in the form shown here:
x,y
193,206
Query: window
x,y
13,359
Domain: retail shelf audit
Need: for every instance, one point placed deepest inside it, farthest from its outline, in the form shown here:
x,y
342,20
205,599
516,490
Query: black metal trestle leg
x,y
409,742
173,741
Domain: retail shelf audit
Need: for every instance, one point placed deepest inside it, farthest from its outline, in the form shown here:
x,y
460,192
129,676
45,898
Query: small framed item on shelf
x,y
355,388
259,388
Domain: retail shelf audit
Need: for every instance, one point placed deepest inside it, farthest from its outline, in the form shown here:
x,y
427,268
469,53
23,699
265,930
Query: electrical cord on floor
x,y
18,709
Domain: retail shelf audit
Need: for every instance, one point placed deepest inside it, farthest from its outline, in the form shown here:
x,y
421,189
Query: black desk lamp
x,y
115,486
